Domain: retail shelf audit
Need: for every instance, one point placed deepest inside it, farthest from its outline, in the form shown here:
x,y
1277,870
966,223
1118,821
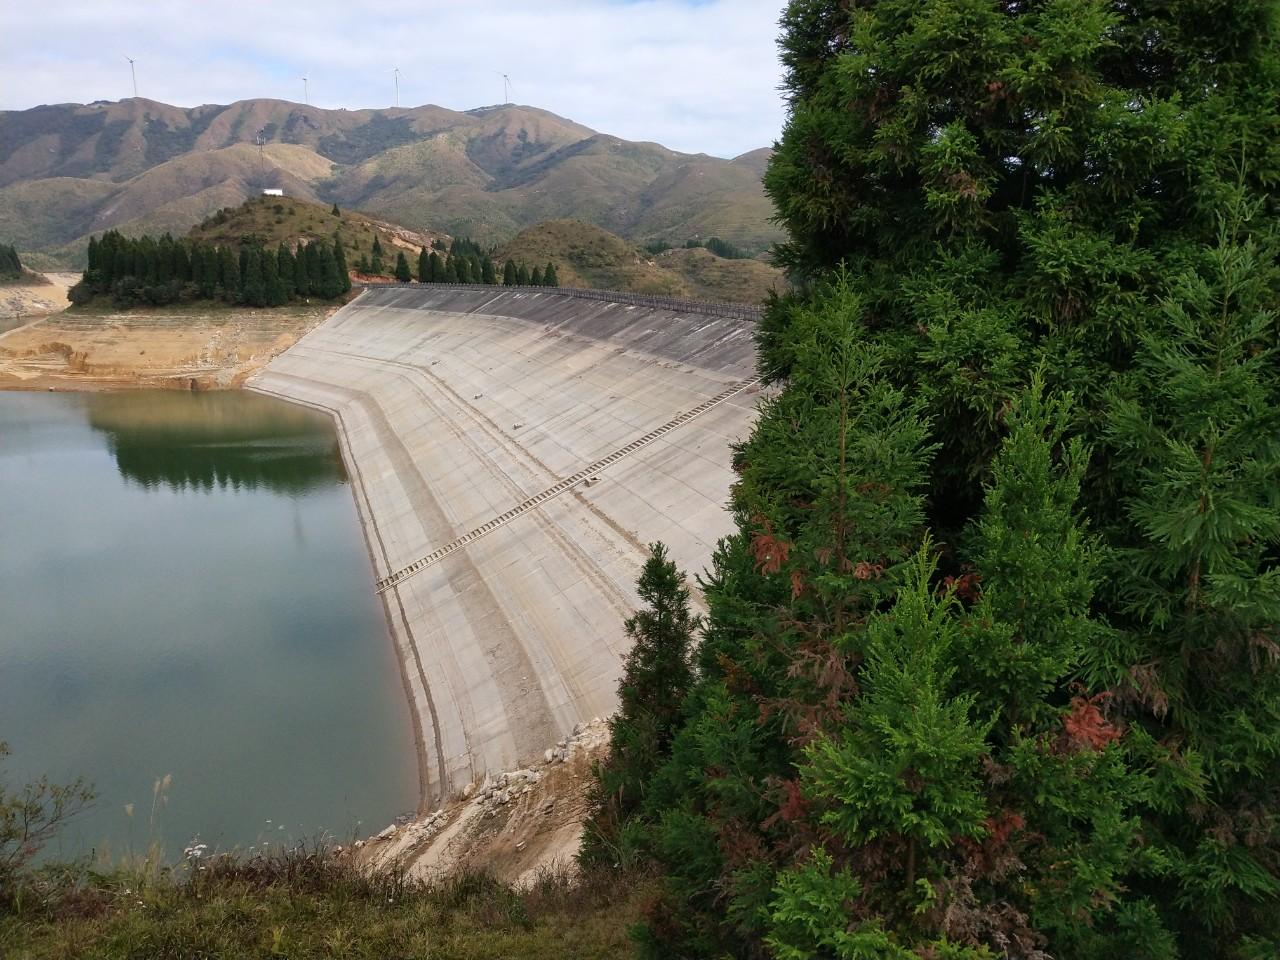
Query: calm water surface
x,y
185,594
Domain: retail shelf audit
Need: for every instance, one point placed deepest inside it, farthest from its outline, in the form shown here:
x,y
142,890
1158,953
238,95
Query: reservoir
x,y
188,621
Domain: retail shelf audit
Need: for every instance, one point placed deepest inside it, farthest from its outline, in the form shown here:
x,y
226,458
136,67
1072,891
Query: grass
x,y
311,902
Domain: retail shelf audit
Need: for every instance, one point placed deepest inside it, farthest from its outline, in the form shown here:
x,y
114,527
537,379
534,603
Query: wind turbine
x,y
306,91
396,72
506,86
134,73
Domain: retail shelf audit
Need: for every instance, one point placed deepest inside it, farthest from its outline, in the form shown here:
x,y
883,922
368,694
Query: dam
x,y
512,453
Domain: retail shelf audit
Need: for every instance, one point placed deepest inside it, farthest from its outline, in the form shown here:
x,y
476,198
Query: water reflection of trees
x,y
224,440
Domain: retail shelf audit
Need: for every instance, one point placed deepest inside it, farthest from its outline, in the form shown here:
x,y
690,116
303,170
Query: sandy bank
x,y
180,349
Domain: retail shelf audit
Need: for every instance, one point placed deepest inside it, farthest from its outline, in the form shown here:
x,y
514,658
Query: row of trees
x,y
157,272
10,265
991,665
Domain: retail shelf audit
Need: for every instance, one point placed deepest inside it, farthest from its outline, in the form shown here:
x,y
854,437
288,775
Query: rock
x,y
548,806
388,833
467,791
548,755
520,845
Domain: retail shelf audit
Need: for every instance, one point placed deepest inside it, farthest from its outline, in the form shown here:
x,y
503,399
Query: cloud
x,y
699,77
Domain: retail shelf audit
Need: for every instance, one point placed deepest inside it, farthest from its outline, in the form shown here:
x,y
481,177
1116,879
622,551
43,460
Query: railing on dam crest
x,y
739,311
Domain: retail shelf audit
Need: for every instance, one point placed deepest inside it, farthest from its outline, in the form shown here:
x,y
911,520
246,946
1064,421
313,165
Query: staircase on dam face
x,y
404,573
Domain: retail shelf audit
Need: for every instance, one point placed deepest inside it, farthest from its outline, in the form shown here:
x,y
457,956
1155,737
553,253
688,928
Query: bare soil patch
x,y
188,349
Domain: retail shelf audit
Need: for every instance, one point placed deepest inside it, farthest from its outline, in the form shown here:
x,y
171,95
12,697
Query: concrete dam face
x,y
512,455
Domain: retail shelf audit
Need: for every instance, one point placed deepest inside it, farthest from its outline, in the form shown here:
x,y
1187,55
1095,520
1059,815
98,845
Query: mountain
x,y
588,256
69,170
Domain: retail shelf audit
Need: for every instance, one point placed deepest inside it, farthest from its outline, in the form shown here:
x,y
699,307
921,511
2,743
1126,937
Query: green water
x,y
185,593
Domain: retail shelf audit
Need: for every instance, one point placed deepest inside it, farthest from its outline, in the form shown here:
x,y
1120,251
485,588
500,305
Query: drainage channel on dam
x,y
404,573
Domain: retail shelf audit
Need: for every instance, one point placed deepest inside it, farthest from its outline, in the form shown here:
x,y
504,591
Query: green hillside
x,y
287,220
587,256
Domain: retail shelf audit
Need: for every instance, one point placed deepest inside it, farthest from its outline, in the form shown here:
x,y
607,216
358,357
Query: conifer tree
x,y
402,273
228,274
450,270
463,267
335,212
375,256
487,273
330,281
509,274
522,276
253,284
437,268
301,273
340,263
424,265
275,294
656,677
535,278
549,276
286,271
1050,730
362,265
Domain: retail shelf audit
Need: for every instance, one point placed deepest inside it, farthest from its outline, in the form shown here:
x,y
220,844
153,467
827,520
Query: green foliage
x,y
522,276
487,273
145,271
656,676
509,274
549,276
402,268
535,278
10,264
29,817
1056,732
375,256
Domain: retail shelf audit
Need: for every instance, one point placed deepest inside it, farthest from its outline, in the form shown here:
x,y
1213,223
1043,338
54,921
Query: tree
x,y
331,285
340,262
301,272
1056,734
487,273
402,273
436,268
335,212
535,278
450,270
285,270
29,817
549,276
463,268
655,679
253,283
509,274
375,262
522,276
275,293
424,265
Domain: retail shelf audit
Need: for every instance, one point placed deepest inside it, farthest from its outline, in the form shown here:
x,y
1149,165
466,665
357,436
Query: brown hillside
x,y
141,165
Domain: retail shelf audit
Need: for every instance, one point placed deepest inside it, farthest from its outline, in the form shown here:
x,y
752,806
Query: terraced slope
x,y
572,433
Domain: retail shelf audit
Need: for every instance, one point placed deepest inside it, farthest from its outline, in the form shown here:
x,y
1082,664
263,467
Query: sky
x,y
700,76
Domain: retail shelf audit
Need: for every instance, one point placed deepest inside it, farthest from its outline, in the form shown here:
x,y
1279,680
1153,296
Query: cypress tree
x,y
522,276
253,282
340,264
274,288
362,265
549,277
375,261
450,270
330,285
301,273
228,274
535,278
335,211
655,679
509,274
435,268
402,273
1056,734
286,270
424,265
463,267
487,273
